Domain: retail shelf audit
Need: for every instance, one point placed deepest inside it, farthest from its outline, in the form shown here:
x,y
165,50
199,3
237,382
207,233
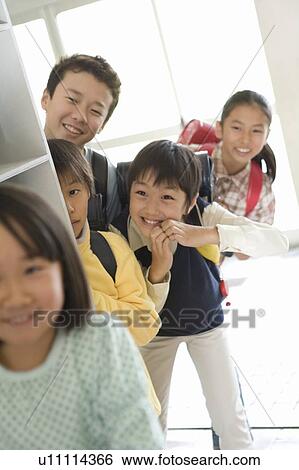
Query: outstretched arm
x,y
231,232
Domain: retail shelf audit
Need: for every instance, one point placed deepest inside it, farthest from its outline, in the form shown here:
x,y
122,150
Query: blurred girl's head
x,y
164,180
75,178
40,271
244,127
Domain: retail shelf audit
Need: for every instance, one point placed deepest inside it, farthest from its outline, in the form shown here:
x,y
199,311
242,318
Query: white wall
x,y
282,53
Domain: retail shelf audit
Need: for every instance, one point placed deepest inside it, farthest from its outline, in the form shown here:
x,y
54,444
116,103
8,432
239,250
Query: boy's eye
x,y
236,128
74,192
72,100
96,112
168,197
257,131
140,193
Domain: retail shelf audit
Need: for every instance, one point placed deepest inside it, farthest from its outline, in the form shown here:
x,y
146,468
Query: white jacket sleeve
x,y
239,234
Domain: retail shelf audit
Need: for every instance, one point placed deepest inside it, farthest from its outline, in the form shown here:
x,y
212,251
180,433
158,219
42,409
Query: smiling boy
x,y
167,225
81,95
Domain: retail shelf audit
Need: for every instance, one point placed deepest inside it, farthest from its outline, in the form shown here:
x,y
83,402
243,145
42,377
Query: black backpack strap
x,y
206,166
99,168
101,248
122,182
97,216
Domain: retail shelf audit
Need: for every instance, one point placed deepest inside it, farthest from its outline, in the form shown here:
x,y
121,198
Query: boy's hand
x,y
190,235
162,257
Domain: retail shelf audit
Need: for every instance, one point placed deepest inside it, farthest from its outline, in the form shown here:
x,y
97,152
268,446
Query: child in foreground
x,y
68,380
167,226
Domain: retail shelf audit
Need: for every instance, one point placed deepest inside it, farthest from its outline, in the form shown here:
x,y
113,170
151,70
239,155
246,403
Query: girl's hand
x,y
190,235
162,257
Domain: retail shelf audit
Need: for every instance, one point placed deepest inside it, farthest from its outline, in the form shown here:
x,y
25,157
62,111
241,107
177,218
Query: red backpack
x,y
198,132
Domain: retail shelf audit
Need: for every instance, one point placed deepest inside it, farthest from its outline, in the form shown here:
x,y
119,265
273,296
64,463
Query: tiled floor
x,y
265,349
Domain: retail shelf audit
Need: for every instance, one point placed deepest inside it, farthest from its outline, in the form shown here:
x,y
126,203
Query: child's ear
x,y
45,99
218,130
193,202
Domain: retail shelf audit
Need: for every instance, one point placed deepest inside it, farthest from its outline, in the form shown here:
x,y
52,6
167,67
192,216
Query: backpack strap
x,y
99,167
255,185
97,216
101,248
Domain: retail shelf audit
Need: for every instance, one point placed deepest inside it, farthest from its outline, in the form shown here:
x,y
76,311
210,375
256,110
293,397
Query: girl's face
x,y
243,133
76,197
151,204
27,285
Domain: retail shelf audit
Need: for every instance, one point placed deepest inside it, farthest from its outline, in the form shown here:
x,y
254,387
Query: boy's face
x,y
76,197
151,204
77,109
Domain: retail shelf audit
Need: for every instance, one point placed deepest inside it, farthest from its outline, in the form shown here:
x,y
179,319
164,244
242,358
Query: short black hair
x,y
97,66
68,160
171,163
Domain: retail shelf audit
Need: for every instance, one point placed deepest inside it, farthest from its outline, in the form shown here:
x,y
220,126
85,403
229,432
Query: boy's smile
x,y
77,109
151,204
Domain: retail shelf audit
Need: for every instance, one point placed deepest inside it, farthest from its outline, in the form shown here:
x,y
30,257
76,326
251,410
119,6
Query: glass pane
x,y
129,40
37,56
210,45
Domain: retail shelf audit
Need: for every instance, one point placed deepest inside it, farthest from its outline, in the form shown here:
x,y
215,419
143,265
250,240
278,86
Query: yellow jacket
x,y
127,298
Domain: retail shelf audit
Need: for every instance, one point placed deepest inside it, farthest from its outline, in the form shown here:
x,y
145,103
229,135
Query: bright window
x,y
37,56
214,49
125,33
210,45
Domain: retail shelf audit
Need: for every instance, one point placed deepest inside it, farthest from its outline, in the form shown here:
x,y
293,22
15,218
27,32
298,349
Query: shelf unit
x,y
24,154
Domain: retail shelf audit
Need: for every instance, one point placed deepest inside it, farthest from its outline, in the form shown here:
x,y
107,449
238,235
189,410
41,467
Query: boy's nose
x,y
79,114
152,208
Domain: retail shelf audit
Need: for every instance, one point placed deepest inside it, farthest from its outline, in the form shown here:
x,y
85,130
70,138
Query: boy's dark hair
x,y
249,97
40,231
170,163
95,65
69,161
